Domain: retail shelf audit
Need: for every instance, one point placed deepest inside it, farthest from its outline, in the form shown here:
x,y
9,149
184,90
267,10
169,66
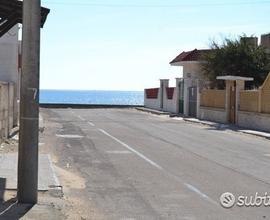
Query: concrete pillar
x,y
187,84
164,83
260,100
178,88
229,84
29,104
240,85
198,98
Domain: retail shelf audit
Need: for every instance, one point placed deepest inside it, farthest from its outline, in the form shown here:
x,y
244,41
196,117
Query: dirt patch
x,y
9,146
69,179
76,207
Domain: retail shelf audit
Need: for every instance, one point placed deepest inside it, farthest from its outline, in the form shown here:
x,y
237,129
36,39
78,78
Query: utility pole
x,y
29,104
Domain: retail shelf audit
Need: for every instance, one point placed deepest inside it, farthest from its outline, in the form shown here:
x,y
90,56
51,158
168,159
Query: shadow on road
x,y
11,210
223,127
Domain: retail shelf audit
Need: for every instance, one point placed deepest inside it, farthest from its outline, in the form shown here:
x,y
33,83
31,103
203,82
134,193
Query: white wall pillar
x,y
227,101
198,98
178,90
164,83
187,84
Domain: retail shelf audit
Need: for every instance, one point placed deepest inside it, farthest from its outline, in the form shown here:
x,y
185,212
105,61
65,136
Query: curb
x,y
152,111
256,133
208,123
231,127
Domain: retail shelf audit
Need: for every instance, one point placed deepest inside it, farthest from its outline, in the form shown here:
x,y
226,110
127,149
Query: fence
x,y
257,100
152,93
164,98
152,98
213,98
265,96
249,101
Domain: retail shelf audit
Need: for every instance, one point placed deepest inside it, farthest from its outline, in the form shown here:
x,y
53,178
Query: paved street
x,y
136,165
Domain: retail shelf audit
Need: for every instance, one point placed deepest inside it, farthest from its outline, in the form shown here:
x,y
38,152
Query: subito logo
x,y
227,200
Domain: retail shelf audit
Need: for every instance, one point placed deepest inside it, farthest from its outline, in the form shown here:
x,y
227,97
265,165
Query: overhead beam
x,y
15,8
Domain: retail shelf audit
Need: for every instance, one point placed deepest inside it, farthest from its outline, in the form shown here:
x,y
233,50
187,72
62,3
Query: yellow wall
x,y
249,101
213,98
256,101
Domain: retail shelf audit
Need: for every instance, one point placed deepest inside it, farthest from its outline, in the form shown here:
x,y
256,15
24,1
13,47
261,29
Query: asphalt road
x,y
141,166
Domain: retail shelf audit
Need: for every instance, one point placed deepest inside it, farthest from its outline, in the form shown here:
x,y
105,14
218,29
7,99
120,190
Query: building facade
x,y
9,78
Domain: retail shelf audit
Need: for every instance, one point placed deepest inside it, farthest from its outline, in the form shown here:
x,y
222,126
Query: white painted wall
x,y
170,105
152,103
164,83
9,50
254,120
162,102
192,74
213,114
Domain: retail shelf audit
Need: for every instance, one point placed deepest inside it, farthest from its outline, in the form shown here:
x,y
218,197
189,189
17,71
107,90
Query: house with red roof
x,y
191,97
184,98
193,79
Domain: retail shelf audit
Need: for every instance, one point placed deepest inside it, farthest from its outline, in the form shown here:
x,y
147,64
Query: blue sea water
x,y
92,97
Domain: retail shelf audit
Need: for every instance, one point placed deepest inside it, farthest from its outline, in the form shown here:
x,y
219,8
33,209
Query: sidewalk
x,y
208,123
47,178
50,191
50,195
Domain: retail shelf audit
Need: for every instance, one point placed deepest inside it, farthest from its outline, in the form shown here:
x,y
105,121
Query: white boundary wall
x,y
162,102
213,114
152,103
252,120
170,105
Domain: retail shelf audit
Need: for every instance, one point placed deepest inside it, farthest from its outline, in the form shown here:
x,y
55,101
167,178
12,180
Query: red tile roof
x,y
193,55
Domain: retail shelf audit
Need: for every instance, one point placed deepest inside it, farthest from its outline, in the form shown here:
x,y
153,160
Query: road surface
x,y
140,166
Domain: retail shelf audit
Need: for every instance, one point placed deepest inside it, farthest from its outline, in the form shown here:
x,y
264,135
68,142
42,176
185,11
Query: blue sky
x,y
127,45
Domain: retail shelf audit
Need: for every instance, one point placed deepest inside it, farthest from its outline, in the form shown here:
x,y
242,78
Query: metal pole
x,y
29,104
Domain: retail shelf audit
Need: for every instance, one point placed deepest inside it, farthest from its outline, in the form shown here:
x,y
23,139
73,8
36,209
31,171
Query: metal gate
x,y
192,93
181,97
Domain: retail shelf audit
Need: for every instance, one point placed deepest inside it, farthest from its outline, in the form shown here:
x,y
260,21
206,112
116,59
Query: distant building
x,y
265,42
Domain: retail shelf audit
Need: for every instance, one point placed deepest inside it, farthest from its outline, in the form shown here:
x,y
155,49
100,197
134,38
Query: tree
x,y
238,58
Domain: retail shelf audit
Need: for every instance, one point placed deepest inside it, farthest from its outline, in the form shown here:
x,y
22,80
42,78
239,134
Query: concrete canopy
x,y
235,78
11,14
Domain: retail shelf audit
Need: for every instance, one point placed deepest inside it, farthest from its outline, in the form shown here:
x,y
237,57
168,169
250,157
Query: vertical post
x,y
228,99
164,83
29,104
260,100
198,115
178,91
240,85
161,95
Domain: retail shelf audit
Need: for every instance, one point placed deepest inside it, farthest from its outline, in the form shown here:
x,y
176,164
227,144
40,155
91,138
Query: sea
x,y
92,97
